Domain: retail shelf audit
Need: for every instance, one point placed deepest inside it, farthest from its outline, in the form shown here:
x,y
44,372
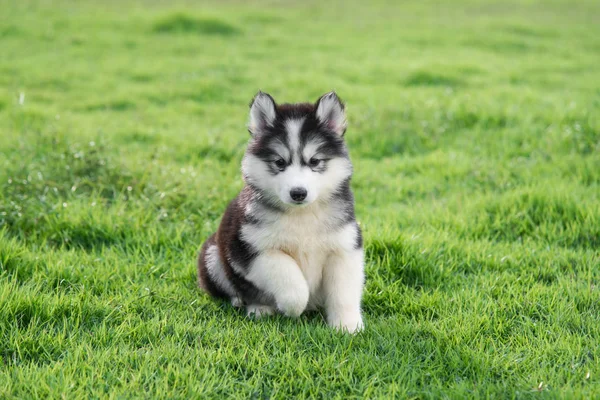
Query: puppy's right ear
x,y
262,113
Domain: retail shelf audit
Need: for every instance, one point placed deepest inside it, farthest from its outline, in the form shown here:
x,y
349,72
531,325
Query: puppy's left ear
x,y
330,112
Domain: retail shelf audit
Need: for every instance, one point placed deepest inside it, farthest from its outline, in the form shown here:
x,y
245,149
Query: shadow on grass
x,y
399,270
426,78
182,23
115,105
24,313
403,265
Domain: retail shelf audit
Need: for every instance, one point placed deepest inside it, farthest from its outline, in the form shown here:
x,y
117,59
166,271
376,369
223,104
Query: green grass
x,y
475,132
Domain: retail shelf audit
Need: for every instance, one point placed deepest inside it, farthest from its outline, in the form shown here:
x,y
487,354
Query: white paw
x,y
236,302
293,303
258,311
349,322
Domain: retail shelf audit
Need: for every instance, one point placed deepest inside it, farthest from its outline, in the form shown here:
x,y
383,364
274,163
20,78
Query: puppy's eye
x,y
313,162
280,163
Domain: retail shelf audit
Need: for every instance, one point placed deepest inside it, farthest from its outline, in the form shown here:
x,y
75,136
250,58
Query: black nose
x,y
298,194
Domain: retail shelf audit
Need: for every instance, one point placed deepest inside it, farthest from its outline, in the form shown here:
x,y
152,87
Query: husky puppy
x,y
289,241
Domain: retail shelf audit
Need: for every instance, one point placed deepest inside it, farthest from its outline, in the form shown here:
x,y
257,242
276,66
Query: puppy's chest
x,y
307,240
292,234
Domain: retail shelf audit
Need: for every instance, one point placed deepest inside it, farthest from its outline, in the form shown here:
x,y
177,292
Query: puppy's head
x,y
297,153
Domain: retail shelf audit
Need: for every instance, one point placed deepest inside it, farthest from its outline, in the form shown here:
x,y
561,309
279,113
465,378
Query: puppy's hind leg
x,y
211,274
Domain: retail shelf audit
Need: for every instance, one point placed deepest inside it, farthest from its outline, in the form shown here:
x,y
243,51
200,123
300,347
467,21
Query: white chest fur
x,y
308,235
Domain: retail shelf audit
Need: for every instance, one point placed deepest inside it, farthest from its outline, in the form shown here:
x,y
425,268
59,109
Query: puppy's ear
x,y
262,113
330,112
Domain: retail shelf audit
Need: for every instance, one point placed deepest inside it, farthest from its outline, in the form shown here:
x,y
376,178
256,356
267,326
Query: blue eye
x,y
313,162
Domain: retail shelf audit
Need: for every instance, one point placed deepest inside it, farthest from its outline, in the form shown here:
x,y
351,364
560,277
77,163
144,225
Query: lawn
x,y
474,128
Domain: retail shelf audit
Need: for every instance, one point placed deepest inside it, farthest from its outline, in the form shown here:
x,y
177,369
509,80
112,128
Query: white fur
x,y
331,112
237,268
317,185
237,302
282,150
342,286
301,257
216,271
298,176
310,149
262,113
277,274
259,310
293,127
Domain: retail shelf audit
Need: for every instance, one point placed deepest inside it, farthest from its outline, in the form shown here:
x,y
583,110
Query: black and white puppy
x,y
289,241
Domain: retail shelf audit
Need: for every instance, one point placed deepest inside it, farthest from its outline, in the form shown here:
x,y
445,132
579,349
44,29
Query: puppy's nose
x,y
298,194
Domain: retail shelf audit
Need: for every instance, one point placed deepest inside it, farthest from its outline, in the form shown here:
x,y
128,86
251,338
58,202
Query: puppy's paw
x,y
293,303
257,311
236,302
347,322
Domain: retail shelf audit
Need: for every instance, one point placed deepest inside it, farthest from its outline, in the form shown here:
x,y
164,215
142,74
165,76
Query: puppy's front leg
x,y
343,280
278,274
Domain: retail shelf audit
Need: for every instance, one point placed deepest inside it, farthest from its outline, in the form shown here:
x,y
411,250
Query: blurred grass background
x,y
474,128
